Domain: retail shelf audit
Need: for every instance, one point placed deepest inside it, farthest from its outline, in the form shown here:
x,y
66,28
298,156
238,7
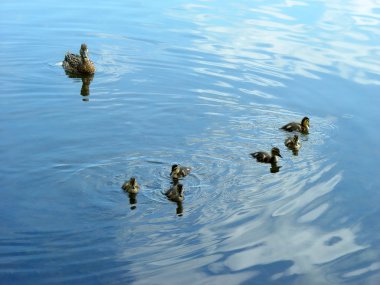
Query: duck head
x,y
276,152
84,52
132,181
305,122
175,168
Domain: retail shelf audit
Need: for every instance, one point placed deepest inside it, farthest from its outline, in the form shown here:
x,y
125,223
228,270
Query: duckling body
x,y
175,193
79,64
131,186
302,127
293,143
179,171
262,156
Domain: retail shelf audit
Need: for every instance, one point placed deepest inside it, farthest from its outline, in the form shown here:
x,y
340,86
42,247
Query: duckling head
x,y
305,122
276,152
84,52
295,139
175,168
132,181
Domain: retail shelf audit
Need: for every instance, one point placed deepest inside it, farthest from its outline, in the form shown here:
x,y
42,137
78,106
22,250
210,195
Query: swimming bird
x,y
302,127
293,143
265,157
175,193
179,171
131,186
79,64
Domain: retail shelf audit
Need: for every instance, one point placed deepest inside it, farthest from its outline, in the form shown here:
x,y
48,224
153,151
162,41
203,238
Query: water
x,y
203,84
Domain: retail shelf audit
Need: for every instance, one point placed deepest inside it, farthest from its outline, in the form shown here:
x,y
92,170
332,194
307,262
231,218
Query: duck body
x,y
179,171
302,127
131,186
175,193
79,64
293,143
262,156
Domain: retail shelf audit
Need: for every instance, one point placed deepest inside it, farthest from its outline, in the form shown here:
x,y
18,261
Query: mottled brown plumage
x,y
265,157
302,127
175,193
79,64
131,186
179,171
293,143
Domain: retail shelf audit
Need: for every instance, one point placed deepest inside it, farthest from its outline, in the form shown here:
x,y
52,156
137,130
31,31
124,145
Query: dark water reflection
x,y
202,84
86,81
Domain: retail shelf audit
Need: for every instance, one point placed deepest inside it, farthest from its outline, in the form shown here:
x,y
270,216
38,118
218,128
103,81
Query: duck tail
x,y
254,154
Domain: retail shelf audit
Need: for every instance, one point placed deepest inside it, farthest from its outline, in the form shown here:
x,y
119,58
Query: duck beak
x,y
279,155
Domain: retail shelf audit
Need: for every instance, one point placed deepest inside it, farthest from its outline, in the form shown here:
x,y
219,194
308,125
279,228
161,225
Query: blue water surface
x,y
203,84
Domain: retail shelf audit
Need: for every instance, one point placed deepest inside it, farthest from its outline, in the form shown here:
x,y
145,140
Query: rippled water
x,y
203,84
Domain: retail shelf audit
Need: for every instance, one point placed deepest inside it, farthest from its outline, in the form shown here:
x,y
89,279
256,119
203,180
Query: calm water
x,y
201,83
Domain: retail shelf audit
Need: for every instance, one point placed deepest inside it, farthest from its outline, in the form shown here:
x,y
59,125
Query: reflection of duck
x,y
179,171
265,157
293,143
302,127
175,193
131,186
86,81
79,64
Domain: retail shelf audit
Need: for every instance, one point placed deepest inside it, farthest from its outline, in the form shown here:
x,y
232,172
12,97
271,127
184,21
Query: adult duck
x,y
79,64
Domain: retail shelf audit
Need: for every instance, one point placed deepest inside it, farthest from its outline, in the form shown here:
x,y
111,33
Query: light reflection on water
x,y
202,84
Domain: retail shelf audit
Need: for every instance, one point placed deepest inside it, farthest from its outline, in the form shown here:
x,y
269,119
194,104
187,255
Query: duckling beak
x,y
279,155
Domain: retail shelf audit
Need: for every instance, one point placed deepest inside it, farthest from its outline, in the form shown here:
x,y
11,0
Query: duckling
x,y
293,143
265,157
302,127
175,193
79,64
131,186
179,171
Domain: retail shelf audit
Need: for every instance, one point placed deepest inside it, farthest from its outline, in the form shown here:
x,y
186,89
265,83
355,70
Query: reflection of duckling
x,y
179,171
274,168
293,143
131,186
302,127
132,200
179,209
175,193
262,156
79,64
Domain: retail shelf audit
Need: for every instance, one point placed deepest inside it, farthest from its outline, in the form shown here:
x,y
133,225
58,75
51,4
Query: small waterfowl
x,y
302,127
293,143
175,193
131,186
265,157
179,171
79,64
